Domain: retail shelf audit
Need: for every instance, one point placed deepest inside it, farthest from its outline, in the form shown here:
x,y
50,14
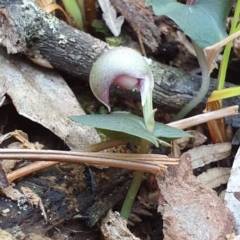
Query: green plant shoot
x,y
127,69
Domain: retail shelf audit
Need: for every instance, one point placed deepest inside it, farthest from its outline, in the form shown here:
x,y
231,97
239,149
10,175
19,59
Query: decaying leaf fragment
x,y
233,237
206,154
6,236
236,47
189,209
114,227
22,143
28,196
110,17
3,178
42,96
232,196
34,200
215,177
12,193
197,140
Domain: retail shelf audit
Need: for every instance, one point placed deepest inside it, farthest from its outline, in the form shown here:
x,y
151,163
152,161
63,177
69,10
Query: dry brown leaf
x,y
28,196
5,235
42,96
211,52
34,200
23,138
35,236
236,47
222,194
3,90
114,227
24,143
216,127
3,178
232,196
206,154
4,137
45,3
189,209
12,193
197,140
233,237
215,177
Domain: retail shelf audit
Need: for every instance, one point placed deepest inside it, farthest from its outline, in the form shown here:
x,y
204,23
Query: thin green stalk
x,y
235,18
72,8
227,51
81,4
204,87
131,195
135,185
148,114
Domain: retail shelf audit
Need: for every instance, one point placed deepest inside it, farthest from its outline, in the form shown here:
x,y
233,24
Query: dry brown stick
x,y
37,166
143,162
205,117
29,169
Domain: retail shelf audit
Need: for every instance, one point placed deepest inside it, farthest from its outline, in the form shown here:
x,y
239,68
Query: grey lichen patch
x,y
52,22
26,3
30,7
72,56
62,39
98,47
72,39
41,32
78,57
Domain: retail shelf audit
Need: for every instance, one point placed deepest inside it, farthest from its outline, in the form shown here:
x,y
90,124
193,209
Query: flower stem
x,y
204,87
131,195
148,113
135,185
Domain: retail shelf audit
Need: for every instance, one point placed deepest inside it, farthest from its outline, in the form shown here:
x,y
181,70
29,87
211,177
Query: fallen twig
x,y
205,117
143,162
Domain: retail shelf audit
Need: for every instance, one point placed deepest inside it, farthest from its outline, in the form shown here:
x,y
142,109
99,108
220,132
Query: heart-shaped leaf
x,y
129,124
204,21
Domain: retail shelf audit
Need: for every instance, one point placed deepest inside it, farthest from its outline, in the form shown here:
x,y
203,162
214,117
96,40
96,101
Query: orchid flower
x,y
126,68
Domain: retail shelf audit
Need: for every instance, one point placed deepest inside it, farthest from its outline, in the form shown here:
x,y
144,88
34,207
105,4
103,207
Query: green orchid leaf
x,y
128,127
118,122
134,140
165,132
204,21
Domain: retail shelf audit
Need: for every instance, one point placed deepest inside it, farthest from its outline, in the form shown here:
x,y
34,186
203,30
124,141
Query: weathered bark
x,y
66,191
24,28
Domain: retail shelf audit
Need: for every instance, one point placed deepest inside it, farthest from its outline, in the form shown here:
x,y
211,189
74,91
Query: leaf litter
x,y
110,17
214,152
